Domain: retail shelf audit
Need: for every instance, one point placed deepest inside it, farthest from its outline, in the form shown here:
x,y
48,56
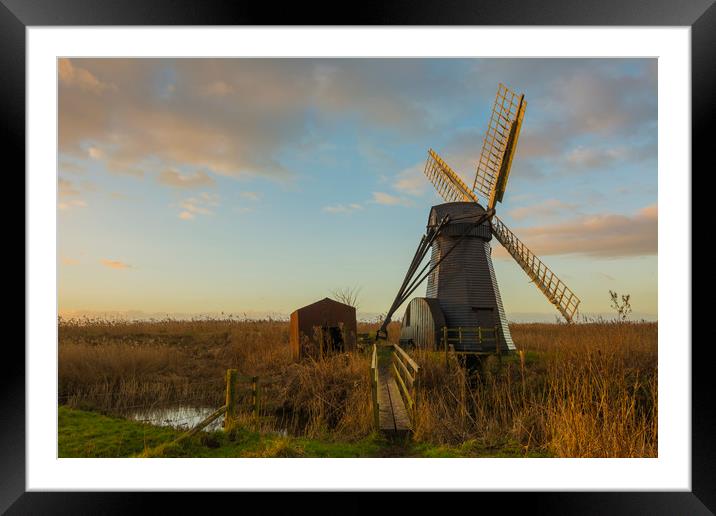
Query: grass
x,y
89,434
583,390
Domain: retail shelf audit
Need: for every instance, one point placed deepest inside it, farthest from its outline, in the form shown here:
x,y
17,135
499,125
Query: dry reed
x,y
584,390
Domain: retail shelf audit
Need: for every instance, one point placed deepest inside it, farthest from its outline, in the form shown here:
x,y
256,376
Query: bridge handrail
x,y
408,381
374,386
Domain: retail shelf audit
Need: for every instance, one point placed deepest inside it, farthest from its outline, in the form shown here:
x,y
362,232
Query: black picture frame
x,y
700,15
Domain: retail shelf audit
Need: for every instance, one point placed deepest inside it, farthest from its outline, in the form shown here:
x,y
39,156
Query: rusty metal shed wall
x,y
325,312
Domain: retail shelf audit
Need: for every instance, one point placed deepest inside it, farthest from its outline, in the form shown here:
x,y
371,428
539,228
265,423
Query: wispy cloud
x,y
75,76
218,88
545,209
251,196
390,200
115,264
74,203
602,236
70,167
202,204
68,195
176,179
412,180
66,188
343,208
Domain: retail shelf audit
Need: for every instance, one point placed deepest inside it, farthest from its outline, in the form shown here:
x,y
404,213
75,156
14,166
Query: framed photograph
x,y
381,254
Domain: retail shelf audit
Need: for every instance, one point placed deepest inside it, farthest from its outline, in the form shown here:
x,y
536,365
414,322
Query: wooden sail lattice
x,y
446,181
498,145
551,286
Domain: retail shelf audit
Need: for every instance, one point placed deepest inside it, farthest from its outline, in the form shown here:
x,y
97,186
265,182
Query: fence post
x,y
231,379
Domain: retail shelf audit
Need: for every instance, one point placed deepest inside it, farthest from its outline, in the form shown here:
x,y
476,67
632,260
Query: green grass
x,y
89,434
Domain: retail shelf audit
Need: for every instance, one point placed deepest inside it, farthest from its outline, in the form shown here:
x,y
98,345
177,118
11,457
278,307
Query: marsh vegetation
x,y
580,390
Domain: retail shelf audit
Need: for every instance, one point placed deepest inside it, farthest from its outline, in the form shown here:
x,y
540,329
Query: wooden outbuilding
x,y
321,328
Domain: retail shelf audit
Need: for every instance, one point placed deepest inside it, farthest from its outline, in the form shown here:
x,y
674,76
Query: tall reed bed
x,y
582,390
587,390
123,366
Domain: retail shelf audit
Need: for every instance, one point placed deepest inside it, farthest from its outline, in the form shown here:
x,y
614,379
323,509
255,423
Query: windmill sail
x,y
446,181
499,145
551,286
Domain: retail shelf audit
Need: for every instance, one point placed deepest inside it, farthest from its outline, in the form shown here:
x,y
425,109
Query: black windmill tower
x,y
463,300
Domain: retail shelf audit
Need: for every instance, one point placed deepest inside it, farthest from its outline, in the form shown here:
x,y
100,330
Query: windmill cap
x,y
462,215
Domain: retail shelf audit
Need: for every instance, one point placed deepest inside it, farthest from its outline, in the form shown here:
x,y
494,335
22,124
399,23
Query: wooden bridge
x,y
394,385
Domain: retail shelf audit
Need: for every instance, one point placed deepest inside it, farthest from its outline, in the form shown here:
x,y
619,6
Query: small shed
x,y
323,327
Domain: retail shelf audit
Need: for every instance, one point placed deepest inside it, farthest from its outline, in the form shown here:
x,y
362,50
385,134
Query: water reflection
x,y
178,417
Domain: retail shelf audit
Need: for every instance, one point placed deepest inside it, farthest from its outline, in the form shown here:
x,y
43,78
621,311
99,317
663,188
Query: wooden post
x,y
231,379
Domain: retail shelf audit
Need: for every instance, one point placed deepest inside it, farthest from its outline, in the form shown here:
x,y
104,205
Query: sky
x,y
257,186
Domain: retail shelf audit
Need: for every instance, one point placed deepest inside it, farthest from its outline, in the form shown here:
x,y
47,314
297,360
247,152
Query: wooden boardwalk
x,y
393,415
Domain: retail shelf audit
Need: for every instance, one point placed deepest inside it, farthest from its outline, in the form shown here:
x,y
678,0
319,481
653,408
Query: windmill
x,y
462,292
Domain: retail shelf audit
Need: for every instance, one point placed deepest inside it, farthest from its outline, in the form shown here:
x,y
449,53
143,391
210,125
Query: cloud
x,y
202,204
115,264
95,153
600,158
342,208
74,203
239,117
412,180
76,77
251,196
582,114
192,206
66,188
175,179
69,261
545,209
218,88
68,195
71,168
602,236
390,200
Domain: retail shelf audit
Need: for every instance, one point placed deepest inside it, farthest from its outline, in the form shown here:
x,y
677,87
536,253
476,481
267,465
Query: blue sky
x,y
259,185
